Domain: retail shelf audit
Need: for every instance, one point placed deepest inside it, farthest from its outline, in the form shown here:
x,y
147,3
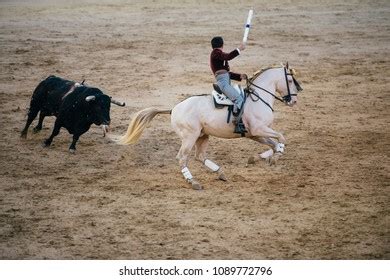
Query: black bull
x,y
76,107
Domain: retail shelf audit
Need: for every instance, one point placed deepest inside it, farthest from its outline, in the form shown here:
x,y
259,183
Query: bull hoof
x,y
36,130
72,151
196,186
45,144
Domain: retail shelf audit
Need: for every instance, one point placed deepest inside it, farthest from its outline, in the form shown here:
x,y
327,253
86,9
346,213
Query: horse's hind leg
x,y
186,146
200,154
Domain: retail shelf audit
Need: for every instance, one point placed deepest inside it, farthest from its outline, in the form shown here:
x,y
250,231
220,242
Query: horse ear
x,y
293,72
287,65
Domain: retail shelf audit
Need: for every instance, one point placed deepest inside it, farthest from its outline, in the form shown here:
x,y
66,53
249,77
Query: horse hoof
x,y
36,130
222,177
196,186
72,151
251,160
23,135
274,159
267,154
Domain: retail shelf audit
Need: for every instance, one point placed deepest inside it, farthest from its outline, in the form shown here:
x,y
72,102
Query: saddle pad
x,y
221,99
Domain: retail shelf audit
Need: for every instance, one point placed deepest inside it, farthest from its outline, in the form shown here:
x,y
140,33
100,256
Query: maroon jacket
x,y
219,61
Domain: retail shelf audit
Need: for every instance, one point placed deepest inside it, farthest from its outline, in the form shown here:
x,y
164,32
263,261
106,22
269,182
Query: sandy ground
x,y
328,197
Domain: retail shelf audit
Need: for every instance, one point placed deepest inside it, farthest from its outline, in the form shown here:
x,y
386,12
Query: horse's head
x,y
287,86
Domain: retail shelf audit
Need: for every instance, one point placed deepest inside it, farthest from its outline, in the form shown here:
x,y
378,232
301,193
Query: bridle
x,y
284,99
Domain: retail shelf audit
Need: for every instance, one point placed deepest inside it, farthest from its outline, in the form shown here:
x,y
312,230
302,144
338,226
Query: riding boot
x,y
240,127
236,110
237,105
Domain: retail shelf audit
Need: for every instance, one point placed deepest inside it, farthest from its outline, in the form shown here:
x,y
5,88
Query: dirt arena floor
x,y
328,197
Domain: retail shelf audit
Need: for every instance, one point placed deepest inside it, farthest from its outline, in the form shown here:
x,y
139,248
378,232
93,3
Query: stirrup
x,y
240,128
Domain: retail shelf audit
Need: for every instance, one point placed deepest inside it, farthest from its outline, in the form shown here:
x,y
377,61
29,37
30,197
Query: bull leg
x,y
39,125
72,148
200,154
56,130
32,114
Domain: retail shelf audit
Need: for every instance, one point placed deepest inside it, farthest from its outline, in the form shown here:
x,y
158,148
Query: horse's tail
x,y
139,122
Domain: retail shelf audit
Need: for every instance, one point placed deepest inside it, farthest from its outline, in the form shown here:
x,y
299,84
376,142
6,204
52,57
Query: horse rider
x,y
220,68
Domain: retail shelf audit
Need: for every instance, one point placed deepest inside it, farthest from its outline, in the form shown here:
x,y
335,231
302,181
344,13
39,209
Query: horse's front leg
x,y
264,135
265,155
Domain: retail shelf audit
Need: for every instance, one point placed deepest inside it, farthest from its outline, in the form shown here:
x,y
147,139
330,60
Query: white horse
x,y
196,118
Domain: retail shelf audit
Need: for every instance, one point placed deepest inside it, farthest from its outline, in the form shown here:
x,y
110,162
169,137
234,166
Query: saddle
x,y
221,101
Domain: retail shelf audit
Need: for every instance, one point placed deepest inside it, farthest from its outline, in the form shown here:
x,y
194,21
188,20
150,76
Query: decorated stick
x,y
247,26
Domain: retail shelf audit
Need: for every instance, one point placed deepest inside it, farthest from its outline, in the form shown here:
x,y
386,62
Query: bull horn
x,y
122,104
90,98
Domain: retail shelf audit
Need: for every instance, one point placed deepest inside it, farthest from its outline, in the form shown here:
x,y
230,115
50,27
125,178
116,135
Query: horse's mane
x,y
261,71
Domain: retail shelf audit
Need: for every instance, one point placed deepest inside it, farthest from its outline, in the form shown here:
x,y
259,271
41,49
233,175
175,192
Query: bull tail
x,y
139,122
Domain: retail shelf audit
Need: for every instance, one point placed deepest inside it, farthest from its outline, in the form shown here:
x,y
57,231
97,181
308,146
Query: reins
x,y
252,93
